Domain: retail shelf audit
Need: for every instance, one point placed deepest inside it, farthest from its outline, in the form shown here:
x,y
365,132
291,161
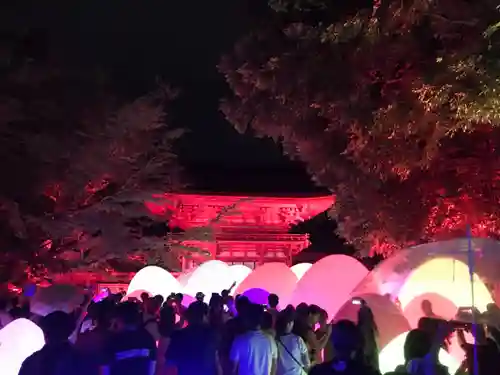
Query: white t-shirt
x,y
254,353
296,348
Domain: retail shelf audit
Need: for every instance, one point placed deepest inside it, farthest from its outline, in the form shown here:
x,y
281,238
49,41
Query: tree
x,y
393,105
79,163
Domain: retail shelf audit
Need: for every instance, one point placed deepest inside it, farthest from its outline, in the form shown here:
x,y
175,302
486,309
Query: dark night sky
x,y
180,41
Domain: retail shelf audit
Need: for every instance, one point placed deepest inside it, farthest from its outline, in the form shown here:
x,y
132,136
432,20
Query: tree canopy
x,y
78,164
393,105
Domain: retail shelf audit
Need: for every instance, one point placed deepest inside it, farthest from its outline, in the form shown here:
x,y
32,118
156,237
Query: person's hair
x,y
215,301
417,344
273,300
57,326
196,312
179,297
241,304
267,320
253,316
159,299
346,338
283,319
102,312
145,296
166,323
128,313
302,310
314,310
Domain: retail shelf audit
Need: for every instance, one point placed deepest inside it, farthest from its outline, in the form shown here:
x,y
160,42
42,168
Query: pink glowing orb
x,y
392,355
275,278
238,273
300,269
155,281
447,277
389,319
18,340
329,283
210,277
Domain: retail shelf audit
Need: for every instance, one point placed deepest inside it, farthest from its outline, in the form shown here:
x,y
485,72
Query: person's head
x,y
346,339
57,327
302,311
216,303
127,316
426,307
200,296
273,300
145,297
313,315
253,316
102,313
167,320
323,317
197,313
267,321
417,344
242,303
285,322
178,298
154,304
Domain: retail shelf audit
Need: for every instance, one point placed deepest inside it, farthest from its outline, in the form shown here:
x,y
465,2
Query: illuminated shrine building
x,y
246,230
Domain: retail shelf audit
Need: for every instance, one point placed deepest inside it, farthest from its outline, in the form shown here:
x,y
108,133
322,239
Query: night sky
x,y
179,42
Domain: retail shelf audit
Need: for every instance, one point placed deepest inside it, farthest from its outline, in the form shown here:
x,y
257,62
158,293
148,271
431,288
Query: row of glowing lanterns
x,y
330,283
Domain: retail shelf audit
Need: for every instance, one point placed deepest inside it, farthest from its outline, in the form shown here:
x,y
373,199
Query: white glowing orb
x,y
183,279
274,278
210,277
447,277
300,269
155,281
392,355
329,283
18,340
238,273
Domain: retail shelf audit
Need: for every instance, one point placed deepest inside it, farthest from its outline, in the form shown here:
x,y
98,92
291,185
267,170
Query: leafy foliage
x,y
394,106
78,164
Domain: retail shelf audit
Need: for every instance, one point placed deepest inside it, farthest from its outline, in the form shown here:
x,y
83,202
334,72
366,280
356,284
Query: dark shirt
x,y
91,346
487,358
130,352
233,327
60,359
350,368
193,350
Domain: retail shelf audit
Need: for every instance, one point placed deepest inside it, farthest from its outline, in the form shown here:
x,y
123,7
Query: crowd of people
x,y
233,336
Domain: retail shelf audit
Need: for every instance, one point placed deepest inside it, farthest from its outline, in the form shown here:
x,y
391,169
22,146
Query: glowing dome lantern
x,y
446,277
300,269
18,340
155,281
392,355
238,273
274,278
211,277
329,283
389,319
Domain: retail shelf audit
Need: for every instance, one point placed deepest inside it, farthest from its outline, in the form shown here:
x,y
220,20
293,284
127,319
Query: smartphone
x,y
225,308
358,301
